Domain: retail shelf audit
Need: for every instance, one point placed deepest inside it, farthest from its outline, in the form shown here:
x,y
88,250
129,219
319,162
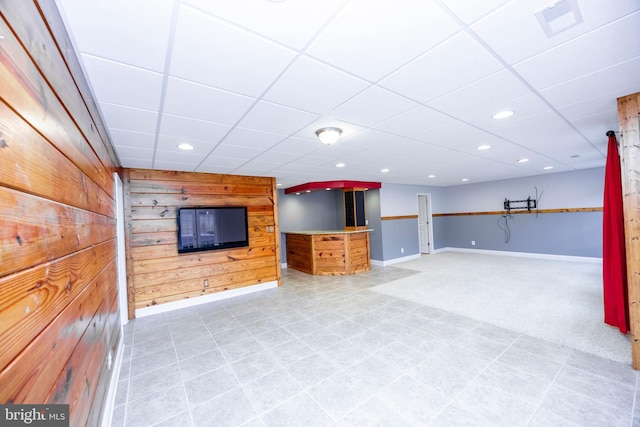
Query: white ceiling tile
x,y
298,146
415,120
273,156
365,37
242,137
133,119
293,23
218,161
170,144
192,129
121,84
127,138
607,46
174,166
132,32
226,170
493,90
224,150
451,65
175,155
136,162
129,152
525,106
615,81
256,167
269,117
194,100
210,51
470,11
515,34
298,86
372,106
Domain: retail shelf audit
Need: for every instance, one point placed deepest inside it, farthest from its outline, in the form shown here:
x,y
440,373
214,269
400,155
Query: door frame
x,y
430,241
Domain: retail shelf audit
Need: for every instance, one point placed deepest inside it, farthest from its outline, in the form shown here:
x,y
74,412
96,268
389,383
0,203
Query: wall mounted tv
x,y
211,228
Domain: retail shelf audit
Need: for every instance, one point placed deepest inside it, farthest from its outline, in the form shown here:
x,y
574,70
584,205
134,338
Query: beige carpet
x,y
560,301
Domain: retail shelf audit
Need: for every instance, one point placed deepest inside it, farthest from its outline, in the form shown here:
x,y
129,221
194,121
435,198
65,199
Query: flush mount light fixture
x,y
385,170
186,147
328,136
523,160
547,167
503,114
483,147
340,165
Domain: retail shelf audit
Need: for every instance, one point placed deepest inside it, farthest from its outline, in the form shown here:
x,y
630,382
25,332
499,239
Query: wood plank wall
x,y
59,324
157,273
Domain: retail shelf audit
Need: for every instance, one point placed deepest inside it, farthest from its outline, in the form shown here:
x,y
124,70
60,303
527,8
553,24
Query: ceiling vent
x,y
559,16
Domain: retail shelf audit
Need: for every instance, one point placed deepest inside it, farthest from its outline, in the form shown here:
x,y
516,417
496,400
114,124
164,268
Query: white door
x,y
424,220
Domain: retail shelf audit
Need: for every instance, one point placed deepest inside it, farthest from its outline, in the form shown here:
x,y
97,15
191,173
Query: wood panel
x,y
629,119
59,318
329,254
157,273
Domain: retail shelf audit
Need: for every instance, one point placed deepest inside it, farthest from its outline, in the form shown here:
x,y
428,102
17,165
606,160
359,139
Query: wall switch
x,y
401,250
206,283
473,243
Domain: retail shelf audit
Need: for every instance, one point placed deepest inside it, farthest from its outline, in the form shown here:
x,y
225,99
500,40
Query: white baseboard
x,y
593,260
190,302
110,398
395,260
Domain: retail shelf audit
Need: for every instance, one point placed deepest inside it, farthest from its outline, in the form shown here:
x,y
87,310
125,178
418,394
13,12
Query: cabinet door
x,y
349,209
360,214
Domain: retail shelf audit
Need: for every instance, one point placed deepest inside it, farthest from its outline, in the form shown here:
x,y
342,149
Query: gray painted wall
x,y
397,235
571,233
307,211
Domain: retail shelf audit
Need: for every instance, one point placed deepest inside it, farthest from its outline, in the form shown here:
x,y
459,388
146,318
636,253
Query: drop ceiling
x,y
412,84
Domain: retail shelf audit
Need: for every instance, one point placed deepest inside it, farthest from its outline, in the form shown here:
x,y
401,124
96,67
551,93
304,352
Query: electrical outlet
x,y
401,250
206,283
473,243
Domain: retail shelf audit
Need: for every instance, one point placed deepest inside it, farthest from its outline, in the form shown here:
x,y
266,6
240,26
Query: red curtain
x,y
614,263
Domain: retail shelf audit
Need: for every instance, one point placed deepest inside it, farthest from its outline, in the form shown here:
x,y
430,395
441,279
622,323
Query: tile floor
x,y
324,351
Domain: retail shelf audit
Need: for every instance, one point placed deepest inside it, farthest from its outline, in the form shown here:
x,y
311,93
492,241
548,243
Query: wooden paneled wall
x,y
59,324
157,273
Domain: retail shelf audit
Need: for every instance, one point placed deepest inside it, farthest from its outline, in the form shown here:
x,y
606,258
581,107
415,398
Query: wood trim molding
x,y
540,211
393,218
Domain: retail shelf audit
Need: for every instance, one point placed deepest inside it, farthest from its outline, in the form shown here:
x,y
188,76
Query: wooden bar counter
x,y
333,252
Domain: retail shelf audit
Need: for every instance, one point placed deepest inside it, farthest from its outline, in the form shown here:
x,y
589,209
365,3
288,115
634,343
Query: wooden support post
x,y
629,118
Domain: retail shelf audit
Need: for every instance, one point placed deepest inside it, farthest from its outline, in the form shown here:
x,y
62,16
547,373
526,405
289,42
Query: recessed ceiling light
x,y
328,189
340,165
308,191
503,114
297,194
385,170
483,147
432,176
523,160
548,167
465,179
278,185
185,146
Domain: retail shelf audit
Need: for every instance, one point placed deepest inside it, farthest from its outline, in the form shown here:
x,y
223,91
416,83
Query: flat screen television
x,y
211,228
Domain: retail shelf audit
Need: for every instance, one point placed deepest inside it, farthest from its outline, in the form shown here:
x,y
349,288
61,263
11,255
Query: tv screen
x,y
211,228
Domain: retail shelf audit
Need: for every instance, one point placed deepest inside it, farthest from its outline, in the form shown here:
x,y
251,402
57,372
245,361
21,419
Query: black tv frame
x,y
223,245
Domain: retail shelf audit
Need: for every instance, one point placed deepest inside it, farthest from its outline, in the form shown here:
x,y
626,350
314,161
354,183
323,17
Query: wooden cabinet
x,y
354,210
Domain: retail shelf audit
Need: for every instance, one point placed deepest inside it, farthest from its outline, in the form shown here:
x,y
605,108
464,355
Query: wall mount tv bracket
x,y
527,204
